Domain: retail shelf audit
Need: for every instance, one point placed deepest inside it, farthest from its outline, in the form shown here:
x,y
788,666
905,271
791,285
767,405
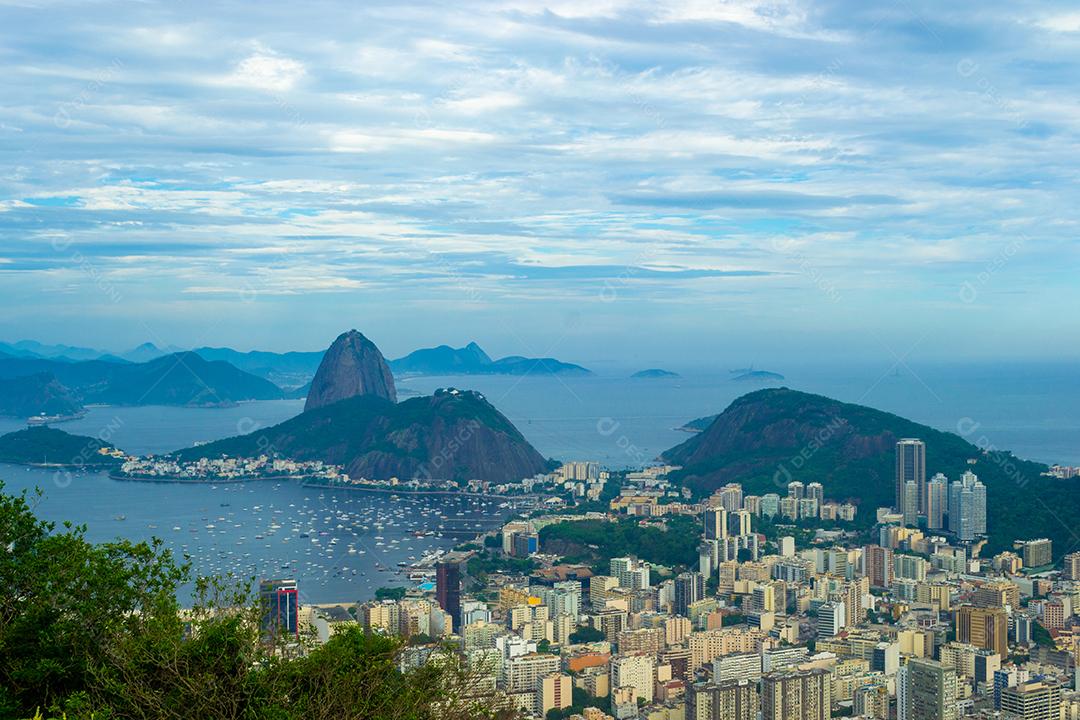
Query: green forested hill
x,y
769,437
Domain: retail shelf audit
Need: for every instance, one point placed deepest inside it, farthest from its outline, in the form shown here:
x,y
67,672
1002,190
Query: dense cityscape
x,y
539,360
809,620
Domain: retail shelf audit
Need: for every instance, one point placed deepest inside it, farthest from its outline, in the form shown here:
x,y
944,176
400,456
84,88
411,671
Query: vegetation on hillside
x,y
768,438
38,445
95,631
602,540
446,435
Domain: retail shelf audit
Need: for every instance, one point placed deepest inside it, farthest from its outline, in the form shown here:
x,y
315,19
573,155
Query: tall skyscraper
x,y
930,691
689,588
816,491
279,603
739,522
716,524
910,503
731,497
967,507
448,586
910,467
796,695
796,489
937,502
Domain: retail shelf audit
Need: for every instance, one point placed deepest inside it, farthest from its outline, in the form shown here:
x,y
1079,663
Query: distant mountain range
x,y
351,419
472,360
60,379
32,349
769,437
288,369
35,385
294,370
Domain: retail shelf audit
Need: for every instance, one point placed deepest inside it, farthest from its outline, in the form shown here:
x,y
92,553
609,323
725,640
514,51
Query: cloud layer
x,y
781,174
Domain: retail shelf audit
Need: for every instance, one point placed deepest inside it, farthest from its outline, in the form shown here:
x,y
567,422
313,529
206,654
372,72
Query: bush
x,y
95,631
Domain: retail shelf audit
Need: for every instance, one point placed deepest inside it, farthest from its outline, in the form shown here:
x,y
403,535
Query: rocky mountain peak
x,y
352,366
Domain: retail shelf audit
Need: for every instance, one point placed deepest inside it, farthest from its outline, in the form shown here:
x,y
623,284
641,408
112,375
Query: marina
x,y
340,545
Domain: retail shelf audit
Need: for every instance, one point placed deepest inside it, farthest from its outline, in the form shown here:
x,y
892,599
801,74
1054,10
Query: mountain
x,y
288,369
699,424
182,379
472,360
449,435
40,445
442,360
653,373
33,349
37,394
148,351
178,379
352,366
769,437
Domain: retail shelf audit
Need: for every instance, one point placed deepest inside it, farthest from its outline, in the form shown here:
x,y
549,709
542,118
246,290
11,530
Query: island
x,y
43,446
752,375
472,360
653,373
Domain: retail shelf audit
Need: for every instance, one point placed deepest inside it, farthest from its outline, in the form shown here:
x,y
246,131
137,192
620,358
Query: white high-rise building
x,y
910,503
831,619
937,502
631,573
967,507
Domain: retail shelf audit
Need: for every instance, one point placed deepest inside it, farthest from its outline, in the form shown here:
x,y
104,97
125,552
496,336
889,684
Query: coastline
x,y
180,480
56,466
399,491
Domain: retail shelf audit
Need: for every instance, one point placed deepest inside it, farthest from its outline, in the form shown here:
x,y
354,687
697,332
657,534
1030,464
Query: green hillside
x,y
41,445
768,438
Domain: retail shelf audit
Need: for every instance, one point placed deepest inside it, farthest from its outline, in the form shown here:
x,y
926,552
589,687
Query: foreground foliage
x,y
96,631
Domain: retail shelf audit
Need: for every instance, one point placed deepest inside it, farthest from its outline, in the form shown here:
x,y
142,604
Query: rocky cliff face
x,y
352,366
451,435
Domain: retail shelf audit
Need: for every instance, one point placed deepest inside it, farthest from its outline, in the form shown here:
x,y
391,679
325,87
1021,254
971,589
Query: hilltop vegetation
x,y
768,438
451,435
41,445
600,540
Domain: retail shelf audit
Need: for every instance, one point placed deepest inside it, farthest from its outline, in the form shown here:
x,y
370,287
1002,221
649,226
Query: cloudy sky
x,y
676,180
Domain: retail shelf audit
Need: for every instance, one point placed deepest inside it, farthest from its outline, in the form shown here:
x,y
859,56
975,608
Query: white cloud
x,y
265,70
1063,23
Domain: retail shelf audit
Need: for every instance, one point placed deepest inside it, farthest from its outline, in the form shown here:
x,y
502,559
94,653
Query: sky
x,y
671,181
